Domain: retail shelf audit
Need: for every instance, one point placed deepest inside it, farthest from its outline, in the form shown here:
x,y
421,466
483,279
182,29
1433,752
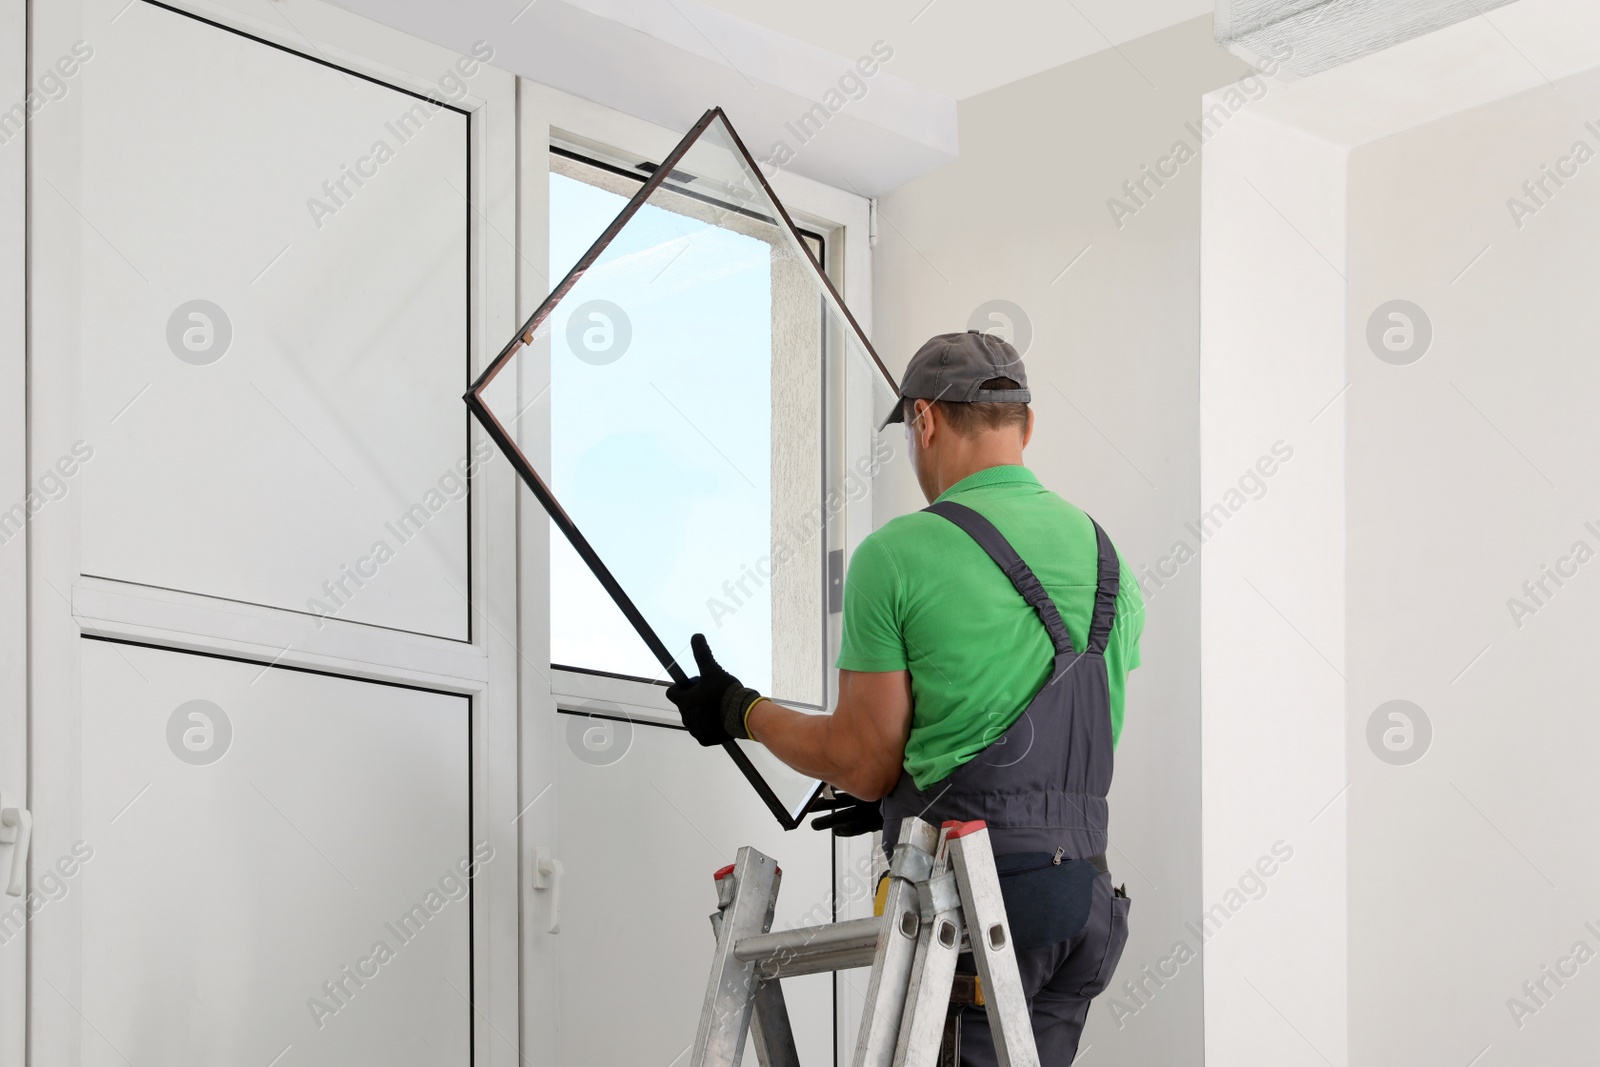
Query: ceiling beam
x,y
1309,36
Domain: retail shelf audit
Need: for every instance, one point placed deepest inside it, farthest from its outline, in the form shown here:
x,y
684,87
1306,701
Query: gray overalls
x,y
1041,786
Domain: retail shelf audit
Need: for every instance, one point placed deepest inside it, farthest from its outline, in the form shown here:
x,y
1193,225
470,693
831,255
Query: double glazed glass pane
x,y
686,428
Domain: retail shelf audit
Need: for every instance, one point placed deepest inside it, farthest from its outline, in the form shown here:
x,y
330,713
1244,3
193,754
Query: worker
x,y
986,644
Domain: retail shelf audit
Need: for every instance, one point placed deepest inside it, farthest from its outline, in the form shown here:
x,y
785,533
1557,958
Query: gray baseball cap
x,y
954,366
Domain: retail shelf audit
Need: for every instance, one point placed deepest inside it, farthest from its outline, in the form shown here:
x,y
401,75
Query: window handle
x,y
16,830
547,872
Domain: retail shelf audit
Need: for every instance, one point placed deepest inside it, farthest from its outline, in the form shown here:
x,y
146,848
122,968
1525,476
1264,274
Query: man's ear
x,y
922,422
1027,429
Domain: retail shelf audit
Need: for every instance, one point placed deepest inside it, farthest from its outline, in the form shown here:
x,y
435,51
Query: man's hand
x,y
713,705
848,816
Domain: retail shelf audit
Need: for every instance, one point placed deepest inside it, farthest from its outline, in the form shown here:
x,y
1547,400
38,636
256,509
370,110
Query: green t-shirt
x,y
922,595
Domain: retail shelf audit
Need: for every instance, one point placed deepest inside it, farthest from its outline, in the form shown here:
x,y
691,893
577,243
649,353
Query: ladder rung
x,y
843,960
790,947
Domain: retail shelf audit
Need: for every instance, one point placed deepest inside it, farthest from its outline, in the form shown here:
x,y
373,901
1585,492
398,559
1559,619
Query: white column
x,y
1272,595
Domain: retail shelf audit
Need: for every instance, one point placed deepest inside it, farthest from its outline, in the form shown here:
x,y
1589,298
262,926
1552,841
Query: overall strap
x,y
1105,594
999,549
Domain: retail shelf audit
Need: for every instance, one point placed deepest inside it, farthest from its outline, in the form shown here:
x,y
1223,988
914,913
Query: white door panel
x,y
186,912
647,815
219,897
317,460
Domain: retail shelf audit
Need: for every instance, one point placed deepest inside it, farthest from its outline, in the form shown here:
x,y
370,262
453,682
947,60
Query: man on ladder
x,y
955,703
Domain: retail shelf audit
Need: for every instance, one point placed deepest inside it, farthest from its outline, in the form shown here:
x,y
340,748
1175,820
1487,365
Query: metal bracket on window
x,y
836,581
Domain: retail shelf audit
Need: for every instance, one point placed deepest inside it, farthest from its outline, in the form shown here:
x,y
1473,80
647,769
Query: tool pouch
x,y
1046,902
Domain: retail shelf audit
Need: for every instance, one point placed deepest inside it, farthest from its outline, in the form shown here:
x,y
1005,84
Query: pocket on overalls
x,y
1046,902
1116,941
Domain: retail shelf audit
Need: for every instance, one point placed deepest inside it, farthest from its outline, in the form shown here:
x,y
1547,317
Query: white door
x,y
271,860
271,575
14,486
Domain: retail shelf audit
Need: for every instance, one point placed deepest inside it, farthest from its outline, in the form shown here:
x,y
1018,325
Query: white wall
x,y
1114,368
1452,863
1471,470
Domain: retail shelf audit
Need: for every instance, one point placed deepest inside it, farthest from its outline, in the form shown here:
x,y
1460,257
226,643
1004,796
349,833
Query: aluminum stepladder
x,y
943,898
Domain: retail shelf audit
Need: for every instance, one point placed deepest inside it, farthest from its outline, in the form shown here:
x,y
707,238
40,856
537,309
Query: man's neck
x,y
970,461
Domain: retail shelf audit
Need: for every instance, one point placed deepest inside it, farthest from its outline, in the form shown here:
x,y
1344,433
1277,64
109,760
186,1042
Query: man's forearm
x,y
811,745
799,740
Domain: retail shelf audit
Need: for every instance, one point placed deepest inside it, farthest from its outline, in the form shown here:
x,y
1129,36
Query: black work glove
x,y
847,816
714,704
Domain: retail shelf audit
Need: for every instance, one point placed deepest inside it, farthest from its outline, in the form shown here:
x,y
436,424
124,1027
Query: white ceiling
x,y
769,63
667,61
960,48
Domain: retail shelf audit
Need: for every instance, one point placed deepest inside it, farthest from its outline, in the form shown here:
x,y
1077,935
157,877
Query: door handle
x,y
547,872
16,830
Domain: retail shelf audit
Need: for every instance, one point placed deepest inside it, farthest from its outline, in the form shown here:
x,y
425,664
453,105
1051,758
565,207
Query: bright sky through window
x,y
660,433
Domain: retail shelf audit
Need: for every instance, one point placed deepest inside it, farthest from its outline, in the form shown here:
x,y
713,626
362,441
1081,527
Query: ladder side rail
x,y
891,969
747,895
990,935
932,974
770,1030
